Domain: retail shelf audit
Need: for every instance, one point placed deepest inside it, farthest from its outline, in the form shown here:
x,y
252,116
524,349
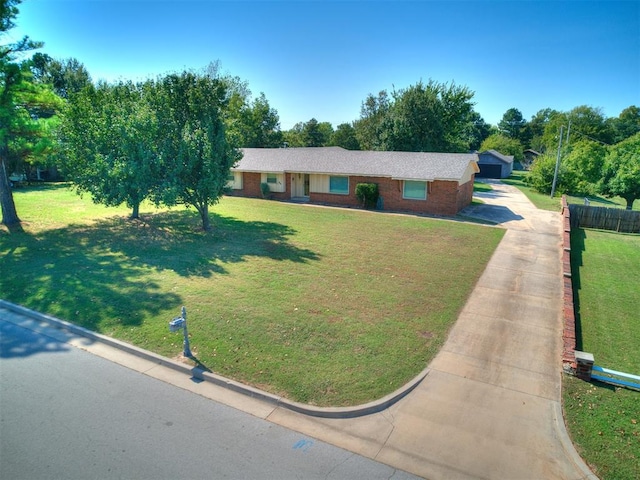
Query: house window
x,y
339,185
413,190
272,178
234,181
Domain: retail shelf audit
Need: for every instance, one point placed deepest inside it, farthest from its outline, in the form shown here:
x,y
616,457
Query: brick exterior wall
x,y
569,331
443,197
251,187
465,194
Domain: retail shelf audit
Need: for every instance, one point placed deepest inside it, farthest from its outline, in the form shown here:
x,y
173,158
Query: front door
x,y
300,187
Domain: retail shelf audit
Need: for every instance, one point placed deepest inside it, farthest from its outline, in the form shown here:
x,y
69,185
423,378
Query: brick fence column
x,y
584,365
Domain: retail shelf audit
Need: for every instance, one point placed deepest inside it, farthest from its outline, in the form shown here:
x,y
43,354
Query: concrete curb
x,y
199,373
567,444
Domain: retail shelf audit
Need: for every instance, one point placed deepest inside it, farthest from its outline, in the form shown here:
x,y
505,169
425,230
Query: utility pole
x,y
555,175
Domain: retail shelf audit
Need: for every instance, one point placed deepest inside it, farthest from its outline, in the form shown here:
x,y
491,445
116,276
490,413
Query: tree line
x,y
173,139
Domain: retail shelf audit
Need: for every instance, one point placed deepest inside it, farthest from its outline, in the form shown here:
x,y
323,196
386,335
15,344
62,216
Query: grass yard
x,y
481,187
324,306
545,202
604,422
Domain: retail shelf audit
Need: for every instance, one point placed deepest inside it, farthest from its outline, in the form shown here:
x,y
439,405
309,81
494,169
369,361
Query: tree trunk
x,y
9,214
204,215
629,203
136,211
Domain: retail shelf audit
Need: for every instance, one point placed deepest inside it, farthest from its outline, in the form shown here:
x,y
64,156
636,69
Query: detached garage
x,y
493,164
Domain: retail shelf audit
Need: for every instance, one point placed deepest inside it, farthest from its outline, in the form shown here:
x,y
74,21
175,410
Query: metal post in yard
x,y
174,326
555,175
187,349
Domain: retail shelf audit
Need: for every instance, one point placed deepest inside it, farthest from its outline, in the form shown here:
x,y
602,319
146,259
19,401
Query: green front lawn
x,y
481,187
544,202
604,422
324,306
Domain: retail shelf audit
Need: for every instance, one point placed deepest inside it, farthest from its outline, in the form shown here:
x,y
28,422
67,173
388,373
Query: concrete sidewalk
x,y
490,406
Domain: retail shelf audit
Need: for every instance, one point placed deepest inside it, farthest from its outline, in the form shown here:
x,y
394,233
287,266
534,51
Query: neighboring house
x,y
493,164
433,183
529,157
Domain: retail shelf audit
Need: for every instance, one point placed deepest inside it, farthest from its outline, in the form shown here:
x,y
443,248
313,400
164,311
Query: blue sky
x,y
321,58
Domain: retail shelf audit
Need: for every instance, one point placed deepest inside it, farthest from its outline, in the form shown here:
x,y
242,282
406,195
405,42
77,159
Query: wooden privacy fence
x,y
616,219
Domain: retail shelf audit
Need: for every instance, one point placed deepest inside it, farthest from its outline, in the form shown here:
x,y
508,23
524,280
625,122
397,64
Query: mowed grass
x,y
544,201
604,422
482,187
324,306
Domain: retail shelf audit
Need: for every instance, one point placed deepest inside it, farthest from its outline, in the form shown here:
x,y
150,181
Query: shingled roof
x,y
499,156
426,166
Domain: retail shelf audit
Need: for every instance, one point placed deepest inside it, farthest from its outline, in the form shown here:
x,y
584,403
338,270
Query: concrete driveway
x,y
490,405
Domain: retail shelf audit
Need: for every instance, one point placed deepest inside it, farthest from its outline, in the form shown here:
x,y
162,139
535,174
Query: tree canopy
x,y
111,134
622,170
513,125
427,117
25,131
503,144
165,140
345,136
583,166
198,152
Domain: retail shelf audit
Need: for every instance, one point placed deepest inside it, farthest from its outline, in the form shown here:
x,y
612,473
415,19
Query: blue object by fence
x,y
611,377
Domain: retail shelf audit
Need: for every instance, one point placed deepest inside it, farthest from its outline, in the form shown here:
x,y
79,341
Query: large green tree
x,y
626,124
503,144
514,126
111,134
370,127
582,122
194,141
21,130
316,134
254,123
65,76
542,172
622,170
476,131
583,164
309,134
345,136
537,126
293,136
429,117
264,122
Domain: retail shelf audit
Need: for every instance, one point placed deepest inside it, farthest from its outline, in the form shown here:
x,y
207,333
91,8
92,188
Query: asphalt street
x,y
66,414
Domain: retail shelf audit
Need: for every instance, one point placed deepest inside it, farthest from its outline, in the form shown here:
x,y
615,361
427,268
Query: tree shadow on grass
x,y
91,273
578,236
175,241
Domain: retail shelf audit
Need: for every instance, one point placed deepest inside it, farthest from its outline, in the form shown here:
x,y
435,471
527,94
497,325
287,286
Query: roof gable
x,y
498,155
425,166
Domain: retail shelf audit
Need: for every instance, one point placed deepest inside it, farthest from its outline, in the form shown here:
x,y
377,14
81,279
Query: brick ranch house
x,y
418,182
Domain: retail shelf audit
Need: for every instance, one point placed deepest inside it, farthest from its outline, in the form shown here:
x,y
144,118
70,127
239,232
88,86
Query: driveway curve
x,y
490,406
